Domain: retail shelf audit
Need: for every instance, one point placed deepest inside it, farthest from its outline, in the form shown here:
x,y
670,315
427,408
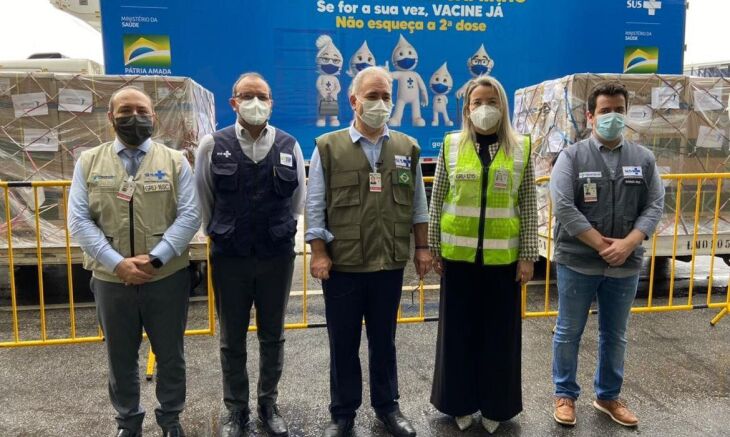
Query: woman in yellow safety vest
x,y
483,235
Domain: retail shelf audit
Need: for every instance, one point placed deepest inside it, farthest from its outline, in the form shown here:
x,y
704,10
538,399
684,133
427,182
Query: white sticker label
x,y
709,138
664,97
633,171
640,113
590,174
402,161
75,100
30,105
40,140
708,100
286,159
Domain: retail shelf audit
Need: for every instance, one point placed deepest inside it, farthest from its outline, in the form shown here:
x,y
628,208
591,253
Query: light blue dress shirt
x,y
316,205
92,240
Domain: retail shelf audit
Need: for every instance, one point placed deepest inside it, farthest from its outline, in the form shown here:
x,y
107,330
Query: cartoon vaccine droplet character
x,y
441,83
411,88
479,64
362,59
329,65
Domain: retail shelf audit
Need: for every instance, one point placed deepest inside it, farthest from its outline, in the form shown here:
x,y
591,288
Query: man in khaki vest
x,y
133,210
365,194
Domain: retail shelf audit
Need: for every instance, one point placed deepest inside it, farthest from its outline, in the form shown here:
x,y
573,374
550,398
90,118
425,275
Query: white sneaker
x,y
463,422
490,425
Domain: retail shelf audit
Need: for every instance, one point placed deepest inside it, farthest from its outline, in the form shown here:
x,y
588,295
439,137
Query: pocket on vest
x,y
220,231
401,241
282,231
346,248
345,189
225,176
402,195
285,181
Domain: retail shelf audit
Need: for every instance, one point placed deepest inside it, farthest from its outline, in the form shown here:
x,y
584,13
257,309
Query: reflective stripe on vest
x,y
462,205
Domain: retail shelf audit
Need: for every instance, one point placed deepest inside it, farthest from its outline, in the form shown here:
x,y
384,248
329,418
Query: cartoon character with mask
x,y
441,83
411,88
479,64
329,64
362,59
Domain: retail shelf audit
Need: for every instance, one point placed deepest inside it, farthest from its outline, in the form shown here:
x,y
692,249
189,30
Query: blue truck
x,y
309,50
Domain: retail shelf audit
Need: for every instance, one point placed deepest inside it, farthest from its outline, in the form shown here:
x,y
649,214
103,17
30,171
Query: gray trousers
x,y
241,282
161,308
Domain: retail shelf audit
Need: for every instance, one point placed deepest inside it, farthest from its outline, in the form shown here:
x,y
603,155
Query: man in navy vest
x,y
251,181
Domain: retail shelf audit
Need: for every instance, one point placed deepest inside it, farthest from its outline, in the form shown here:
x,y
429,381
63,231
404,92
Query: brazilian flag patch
x,y
404,176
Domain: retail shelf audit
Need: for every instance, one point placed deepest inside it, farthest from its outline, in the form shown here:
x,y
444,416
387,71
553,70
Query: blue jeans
x,y
615,297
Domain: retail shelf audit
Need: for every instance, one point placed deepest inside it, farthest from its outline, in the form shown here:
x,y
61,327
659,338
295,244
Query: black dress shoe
x,y
235,424
339,428
274,424
397,424
124,432
173,431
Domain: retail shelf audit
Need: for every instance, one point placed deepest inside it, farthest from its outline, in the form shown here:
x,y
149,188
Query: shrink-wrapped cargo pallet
x,y
48,119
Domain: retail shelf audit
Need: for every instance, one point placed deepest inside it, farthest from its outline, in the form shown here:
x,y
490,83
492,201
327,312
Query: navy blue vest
x,y
252,213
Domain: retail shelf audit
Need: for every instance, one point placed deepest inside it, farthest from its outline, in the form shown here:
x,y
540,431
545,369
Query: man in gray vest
x,y
251,181
608,198
133,210
365,195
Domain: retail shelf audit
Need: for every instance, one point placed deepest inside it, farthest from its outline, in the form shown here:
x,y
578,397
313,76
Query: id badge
x,y
376,182
590,192
501,179
126,191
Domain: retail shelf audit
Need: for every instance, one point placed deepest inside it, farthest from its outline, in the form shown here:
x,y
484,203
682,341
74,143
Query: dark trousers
x,y
348,298
161,308
241,282
479,346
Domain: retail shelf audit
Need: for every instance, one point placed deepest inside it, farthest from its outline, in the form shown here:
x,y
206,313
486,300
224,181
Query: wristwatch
x,y
156,262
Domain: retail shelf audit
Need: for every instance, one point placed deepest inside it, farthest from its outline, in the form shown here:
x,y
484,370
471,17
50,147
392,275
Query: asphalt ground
x,y
677,372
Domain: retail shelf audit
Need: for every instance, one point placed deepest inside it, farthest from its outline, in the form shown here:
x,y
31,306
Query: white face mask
x,y
486,117
254,111
375,113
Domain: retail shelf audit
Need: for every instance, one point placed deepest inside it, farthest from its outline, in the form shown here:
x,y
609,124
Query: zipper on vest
x,y
131,226
613,208
482,214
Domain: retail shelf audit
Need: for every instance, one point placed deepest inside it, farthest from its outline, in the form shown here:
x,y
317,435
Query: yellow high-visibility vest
x,y
462,205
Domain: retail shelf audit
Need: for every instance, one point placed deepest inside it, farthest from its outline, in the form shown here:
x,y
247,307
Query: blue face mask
x,y
439,88
329,68
479,69
406,63
360,66
610,126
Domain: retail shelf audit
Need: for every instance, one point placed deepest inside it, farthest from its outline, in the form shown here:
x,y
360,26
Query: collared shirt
x,y
316,204
561,188
526,200
256,150
91,238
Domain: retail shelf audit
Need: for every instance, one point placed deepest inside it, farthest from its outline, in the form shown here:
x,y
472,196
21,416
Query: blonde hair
x,y
508,138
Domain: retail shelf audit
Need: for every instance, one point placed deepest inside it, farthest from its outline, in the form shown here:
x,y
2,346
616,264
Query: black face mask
x,y
133,130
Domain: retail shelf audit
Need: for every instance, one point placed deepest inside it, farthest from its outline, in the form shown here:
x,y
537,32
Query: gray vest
x,y
621,199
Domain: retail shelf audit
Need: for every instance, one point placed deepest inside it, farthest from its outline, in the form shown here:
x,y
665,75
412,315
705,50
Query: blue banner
x,y
309,50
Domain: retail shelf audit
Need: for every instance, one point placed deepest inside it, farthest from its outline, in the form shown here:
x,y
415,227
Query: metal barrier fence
x,y
701,179
70,255
33,254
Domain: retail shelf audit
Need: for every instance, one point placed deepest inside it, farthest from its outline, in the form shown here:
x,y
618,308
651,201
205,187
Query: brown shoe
x,y
564,411
617,411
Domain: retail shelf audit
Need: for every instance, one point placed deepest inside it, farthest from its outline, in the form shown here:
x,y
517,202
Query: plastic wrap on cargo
x,y
48,119
683,120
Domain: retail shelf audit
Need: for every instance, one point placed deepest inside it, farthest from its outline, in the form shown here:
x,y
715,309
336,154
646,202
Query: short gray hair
x,y
247,75
128,88
370,71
